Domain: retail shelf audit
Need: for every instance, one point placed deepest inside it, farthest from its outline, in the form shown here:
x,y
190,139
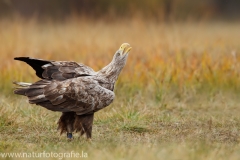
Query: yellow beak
x,y
125,48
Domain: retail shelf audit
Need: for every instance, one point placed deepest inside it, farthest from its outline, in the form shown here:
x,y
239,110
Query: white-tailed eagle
x,y
74,89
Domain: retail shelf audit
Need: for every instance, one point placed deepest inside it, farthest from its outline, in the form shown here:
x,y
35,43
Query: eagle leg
x,y
66,122
83,124
69,135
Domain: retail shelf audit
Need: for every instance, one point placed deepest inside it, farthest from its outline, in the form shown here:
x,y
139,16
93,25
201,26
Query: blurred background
x,y
178,93
177,44
155,9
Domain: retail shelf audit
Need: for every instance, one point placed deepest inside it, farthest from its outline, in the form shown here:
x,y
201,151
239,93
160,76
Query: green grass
x,y
194,127
177,98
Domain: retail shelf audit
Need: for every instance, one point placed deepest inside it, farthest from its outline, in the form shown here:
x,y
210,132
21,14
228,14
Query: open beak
x,y
125,48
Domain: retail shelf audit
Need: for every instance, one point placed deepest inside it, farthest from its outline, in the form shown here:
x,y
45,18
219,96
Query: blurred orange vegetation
x,y
164,55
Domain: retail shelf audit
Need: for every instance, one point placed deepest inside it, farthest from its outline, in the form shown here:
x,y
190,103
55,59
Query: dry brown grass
x,y
176,97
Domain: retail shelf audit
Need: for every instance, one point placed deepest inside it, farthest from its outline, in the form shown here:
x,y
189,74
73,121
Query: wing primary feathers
x,y
57,70
34,92
36,64
20,91
37,99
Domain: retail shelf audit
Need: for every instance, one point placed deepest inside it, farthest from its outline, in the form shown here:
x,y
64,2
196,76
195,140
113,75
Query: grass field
x,y
177,98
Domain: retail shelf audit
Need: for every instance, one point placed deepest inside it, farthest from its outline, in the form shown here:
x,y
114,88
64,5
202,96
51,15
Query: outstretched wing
x,y
82,95
57,70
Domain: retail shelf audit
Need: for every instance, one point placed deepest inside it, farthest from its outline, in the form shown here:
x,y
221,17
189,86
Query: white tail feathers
x,y
22,84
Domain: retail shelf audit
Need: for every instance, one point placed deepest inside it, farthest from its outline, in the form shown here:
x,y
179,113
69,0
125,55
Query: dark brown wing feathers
x,y
36,64
57,70
81,95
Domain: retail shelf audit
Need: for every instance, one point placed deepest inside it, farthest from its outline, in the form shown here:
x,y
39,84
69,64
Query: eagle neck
x,y
112,70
